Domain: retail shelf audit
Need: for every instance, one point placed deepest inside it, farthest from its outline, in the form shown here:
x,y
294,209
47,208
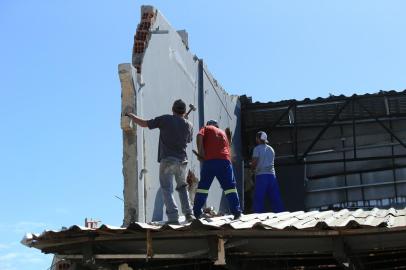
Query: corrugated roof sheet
x,y
330,98
314,220
321,110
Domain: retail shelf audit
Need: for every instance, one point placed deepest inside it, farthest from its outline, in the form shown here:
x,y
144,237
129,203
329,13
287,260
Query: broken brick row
x,y
141,38
147,16
144,26
139,46
141,35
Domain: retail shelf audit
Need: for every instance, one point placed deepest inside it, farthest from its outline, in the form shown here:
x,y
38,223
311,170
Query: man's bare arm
x,y
229,135
139,121
254,163
199,144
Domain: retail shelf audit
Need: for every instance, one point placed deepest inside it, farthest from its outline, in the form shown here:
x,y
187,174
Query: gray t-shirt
x,y
265,155
175,133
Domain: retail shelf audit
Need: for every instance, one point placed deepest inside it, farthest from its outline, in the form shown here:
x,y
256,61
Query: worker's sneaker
x,y
237,216
173,222
189,218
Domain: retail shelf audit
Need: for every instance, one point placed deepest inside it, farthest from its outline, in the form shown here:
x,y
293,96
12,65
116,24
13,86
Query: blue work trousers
x,y
266,185
223,171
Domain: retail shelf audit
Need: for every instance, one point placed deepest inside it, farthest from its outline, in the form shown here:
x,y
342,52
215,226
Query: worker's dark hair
x,y
212,123
179,106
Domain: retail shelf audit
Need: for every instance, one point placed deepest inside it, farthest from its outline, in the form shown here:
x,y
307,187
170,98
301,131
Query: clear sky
x,y
60,131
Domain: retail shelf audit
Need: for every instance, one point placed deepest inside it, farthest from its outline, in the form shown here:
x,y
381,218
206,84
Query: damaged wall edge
x,y
130,162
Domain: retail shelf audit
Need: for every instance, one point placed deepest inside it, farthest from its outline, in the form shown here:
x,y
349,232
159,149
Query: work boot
x,y
189,218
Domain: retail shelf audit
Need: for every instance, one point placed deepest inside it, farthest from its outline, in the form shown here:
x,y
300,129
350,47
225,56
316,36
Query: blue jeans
x,y
223,171
266,185
158,213
168,169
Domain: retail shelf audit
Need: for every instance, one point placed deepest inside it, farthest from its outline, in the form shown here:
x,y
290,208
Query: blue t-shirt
x,y
265,155
175,133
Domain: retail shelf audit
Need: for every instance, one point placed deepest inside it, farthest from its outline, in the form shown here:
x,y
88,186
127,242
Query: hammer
x,y
191,108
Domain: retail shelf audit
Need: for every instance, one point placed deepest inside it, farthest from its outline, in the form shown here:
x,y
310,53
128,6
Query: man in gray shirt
x,y
175,133
266,184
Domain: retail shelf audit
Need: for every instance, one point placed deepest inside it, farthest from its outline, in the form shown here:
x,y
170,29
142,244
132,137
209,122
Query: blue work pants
x,y
266,185
223,171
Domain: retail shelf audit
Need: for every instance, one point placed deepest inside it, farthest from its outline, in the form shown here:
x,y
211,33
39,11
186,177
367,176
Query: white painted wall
x,y
169,72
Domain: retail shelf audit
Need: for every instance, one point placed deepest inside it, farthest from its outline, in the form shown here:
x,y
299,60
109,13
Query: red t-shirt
x,y
215,143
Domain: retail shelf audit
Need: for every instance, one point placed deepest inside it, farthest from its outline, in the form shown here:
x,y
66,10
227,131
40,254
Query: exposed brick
x,y
141,38
147,16
139,46
144,25
141,35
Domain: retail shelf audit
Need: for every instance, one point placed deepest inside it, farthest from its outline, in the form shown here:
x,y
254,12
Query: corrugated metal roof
x,y
320,110
330,98
300,220
311,239
314,220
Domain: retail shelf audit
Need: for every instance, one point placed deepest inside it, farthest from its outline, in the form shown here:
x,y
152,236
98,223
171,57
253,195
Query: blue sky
x,y
60,94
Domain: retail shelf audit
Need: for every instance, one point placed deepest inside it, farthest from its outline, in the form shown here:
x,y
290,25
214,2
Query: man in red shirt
x,y
214,148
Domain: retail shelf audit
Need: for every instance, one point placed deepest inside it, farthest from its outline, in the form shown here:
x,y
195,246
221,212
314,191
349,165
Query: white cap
x,y
262,136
